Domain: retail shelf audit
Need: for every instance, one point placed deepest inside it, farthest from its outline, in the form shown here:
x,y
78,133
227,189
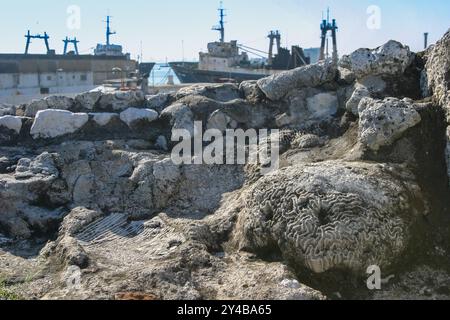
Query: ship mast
x,y
109,33
221,26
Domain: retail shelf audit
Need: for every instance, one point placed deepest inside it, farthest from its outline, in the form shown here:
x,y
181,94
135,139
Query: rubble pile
x,y
88,187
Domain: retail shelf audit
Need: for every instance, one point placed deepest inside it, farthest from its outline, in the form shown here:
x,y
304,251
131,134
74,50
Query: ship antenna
x,y
221,26
109,33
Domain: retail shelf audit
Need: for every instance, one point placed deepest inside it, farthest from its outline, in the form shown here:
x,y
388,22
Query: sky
x,y
177,29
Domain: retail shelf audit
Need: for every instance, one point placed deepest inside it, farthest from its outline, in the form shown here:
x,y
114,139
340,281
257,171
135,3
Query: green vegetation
x,y
7,294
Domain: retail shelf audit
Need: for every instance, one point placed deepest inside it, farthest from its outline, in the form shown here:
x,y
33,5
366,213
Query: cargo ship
x,y
230,62
26,76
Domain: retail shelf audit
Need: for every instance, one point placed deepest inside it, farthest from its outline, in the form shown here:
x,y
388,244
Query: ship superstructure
x,y
229,61
109,49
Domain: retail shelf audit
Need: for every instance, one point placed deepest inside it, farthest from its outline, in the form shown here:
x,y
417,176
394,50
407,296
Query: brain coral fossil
x,y
331,215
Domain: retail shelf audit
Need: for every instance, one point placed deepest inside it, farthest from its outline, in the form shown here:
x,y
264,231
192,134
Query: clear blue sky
x,y
162,26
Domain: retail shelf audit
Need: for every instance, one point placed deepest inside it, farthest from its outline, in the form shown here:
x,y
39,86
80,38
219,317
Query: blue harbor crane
x,y
327,26
73,41
273,36
221,26
29,37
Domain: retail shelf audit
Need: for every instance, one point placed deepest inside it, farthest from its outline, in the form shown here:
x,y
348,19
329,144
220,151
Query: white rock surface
x,y
51,102
392,58
56,123
277,86
11,123
382,122
131,115
322,105
353,103
102,119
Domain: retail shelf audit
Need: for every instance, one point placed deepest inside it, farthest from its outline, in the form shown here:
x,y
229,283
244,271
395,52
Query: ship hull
x,y
188,72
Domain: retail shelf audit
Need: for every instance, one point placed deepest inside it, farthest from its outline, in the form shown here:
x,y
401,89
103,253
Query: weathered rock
x,y
7,110
308,106
4,240
119,101
422,283
87,100
11,123
220,92
203,186
375,84
35,106
167,179
59,102
250,90
142,226
70,252
277,86
180,117
43,164
448,152
346,75
436,79
306,141
161,143
20,193
322,105
220,121
39,220
133,115
51,102
83,190
129,95
77,220
390,59
56,123
359,93
382,122
331,215
103,119
437,73
158,102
